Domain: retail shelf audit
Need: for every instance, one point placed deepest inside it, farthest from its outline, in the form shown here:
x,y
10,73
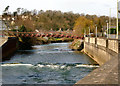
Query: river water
x,y
47,64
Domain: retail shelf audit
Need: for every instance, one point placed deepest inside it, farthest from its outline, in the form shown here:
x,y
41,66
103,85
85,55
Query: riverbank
x,y
77,44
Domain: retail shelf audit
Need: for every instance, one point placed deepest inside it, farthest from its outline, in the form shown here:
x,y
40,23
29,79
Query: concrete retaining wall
x,y
9,47
113,45
105,52
101,42
91,40
101,49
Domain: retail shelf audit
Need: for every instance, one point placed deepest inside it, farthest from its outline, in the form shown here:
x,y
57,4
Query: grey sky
x,y
98,7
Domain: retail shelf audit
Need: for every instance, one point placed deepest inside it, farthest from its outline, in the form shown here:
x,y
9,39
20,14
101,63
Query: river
x,y
47,64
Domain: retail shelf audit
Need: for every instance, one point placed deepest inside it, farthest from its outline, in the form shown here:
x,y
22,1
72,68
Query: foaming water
x,y
57,65
47,64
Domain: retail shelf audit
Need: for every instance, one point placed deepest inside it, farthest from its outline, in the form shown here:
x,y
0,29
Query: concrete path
x,y
3,40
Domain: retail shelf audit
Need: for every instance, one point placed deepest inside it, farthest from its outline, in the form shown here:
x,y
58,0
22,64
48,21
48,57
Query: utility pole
x,y
117,20
109,22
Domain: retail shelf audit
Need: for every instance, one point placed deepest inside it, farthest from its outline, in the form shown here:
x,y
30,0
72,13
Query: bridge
x,y
55,34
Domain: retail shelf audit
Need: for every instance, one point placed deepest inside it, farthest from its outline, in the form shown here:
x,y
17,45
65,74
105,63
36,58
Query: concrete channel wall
x,y
9,47
101,49
105,52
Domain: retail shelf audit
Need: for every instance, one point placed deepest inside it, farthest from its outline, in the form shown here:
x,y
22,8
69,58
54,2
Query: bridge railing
x,y
45,34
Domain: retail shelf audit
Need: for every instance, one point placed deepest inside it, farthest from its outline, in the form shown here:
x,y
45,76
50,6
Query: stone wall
x,y
101,49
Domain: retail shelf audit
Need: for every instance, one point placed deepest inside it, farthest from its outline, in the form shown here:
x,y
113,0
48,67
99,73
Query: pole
x,y
117,20
96,35
89,32
96,31
2,26
84,33
109,22
107,29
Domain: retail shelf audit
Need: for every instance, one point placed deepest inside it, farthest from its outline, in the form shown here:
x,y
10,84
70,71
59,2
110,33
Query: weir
x,y
105,52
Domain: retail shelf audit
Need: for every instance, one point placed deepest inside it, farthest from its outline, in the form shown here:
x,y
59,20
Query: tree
x,y
6,9
18,10
82,24
45,20
5,12
22,29
15,13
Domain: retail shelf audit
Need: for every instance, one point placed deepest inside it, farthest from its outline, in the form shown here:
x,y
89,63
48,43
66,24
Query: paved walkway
x,y
3,40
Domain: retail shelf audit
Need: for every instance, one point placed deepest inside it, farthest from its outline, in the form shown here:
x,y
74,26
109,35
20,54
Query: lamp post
x,y
107,28
109,22
96,35
96,31
2,25
117,19
89,32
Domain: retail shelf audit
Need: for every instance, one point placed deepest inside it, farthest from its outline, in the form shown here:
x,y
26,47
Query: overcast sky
x,y
98,7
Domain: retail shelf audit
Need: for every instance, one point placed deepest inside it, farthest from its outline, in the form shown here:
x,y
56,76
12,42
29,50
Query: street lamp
x,y
89,31
96,31
109,22
2,25
117,18
107,28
